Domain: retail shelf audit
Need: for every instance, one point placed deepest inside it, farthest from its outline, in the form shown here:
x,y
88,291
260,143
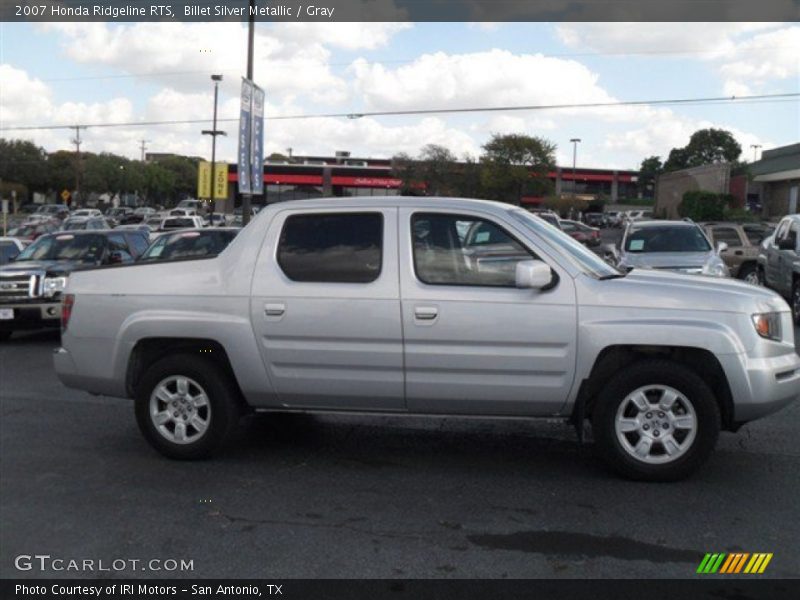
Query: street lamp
x,y
755,148
214,133
574,142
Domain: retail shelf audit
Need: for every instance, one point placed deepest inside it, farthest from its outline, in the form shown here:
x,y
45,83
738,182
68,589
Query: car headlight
x,y
53,286
768,325
715,269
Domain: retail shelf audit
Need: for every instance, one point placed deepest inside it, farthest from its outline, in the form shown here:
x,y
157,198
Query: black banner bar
x,y
399,10
711,588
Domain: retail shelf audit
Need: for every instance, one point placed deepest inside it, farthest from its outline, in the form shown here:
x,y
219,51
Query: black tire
x,y
749,271
762,279
655,372
795,301
224,405
5,335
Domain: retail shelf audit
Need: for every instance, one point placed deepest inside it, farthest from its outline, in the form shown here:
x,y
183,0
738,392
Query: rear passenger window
x,y
332,248
727,235
139,243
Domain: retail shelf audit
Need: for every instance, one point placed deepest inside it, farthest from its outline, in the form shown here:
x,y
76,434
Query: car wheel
x,y
655,421
796,302
762,279
4,335
749,274
187,407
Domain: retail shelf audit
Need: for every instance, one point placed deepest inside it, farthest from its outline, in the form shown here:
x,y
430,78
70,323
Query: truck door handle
x,y
274,309
738,253
426,313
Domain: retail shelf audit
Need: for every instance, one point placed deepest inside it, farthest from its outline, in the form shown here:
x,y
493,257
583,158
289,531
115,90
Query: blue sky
x,y
52,74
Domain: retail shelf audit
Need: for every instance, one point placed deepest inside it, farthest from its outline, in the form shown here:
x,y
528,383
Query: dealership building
x,y
345,176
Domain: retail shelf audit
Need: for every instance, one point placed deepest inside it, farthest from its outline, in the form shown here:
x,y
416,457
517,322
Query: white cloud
x,y
492,78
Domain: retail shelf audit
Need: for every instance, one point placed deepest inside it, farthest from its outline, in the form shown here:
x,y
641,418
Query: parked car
x,y
10,247
192,203
595,219
153,222
219,220
182,212
189,244
31,286
115,215
81,223
144,211
779,262
583,233
58,211
632,216
31,231
679,246
189,222
87,212
377,305
549,217
742,243
613,218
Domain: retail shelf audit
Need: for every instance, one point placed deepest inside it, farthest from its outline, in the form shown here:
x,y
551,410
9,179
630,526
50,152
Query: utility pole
x,y
142,146
77,141
214,133
251,31
575,142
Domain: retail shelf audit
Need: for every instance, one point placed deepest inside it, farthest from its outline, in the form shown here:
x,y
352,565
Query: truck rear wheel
x,y
186,407
655,421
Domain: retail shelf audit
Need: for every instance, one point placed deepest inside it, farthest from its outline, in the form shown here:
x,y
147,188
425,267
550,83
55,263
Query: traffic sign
x,y
65,195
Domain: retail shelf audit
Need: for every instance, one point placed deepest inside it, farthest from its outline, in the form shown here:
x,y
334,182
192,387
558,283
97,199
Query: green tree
x,y
23,163
650,168
706,146
514,165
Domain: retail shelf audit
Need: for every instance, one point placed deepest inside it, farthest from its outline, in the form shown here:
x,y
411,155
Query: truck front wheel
x,y
186,407
655,421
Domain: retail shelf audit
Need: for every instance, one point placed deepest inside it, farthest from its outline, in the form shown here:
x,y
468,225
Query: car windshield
x,y
589,262
189,244
74,225
65,247
666,238
8,250
176,223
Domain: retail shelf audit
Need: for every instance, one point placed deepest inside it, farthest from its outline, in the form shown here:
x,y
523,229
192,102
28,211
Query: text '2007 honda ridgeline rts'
x,y
434,307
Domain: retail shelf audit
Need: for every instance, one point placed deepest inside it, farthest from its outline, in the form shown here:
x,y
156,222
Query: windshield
x,y
666,238
86,248
188,245
585,259
74,225
176,223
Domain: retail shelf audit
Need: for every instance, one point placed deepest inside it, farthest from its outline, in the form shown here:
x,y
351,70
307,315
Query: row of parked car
x,y
34,272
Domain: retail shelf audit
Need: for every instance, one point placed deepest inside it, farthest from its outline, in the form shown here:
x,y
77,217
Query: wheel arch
x,y
614,358
148,351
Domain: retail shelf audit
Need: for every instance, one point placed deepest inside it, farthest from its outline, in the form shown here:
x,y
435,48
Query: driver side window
x,y
464,250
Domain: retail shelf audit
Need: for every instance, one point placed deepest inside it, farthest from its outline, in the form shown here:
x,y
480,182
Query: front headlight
x,y
715,269
53,286
768,325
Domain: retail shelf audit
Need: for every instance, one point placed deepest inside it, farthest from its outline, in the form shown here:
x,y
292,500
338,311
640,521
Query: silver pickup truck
x,y
429,306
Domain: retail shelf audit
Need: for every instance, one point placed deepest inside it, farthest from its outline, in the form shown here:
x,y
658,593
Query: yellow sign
x,y
65,195
220,180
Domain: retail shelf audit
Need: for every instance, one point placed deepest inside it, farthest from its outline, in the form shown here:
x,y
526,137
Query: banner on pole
x,y
220,180
245,126
257,142
204,179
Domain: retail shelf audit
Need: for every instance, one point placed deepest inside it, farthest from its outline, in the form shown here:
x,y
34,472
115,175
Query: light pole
x,y
251,33
755,148
214,133
574,142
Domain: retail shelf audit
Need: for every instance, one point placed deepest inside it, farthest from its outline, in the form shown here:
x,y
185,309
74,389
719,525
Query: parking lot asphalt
x,y
335,496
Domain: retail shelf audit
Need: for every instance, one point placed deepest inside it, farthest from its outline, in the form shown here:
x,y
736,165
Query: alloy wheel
x,y
656,424
179,409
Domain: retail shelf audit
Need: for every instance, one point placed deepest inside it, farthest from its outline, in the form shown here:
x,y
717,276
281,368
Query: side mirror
x,y
534,274
721,247
786,244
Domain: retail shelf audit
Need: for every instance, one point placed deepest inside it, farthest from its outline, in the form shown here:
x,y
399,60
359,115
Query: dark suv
x,y
31,285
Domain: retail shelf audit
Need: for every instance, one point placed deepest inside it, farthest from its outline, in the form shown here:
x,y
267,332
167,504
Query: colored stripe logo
x,y
737,562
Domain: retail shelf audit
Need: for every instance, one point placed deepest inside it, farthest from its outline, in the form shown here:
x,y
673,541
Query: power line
x,y
758,99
